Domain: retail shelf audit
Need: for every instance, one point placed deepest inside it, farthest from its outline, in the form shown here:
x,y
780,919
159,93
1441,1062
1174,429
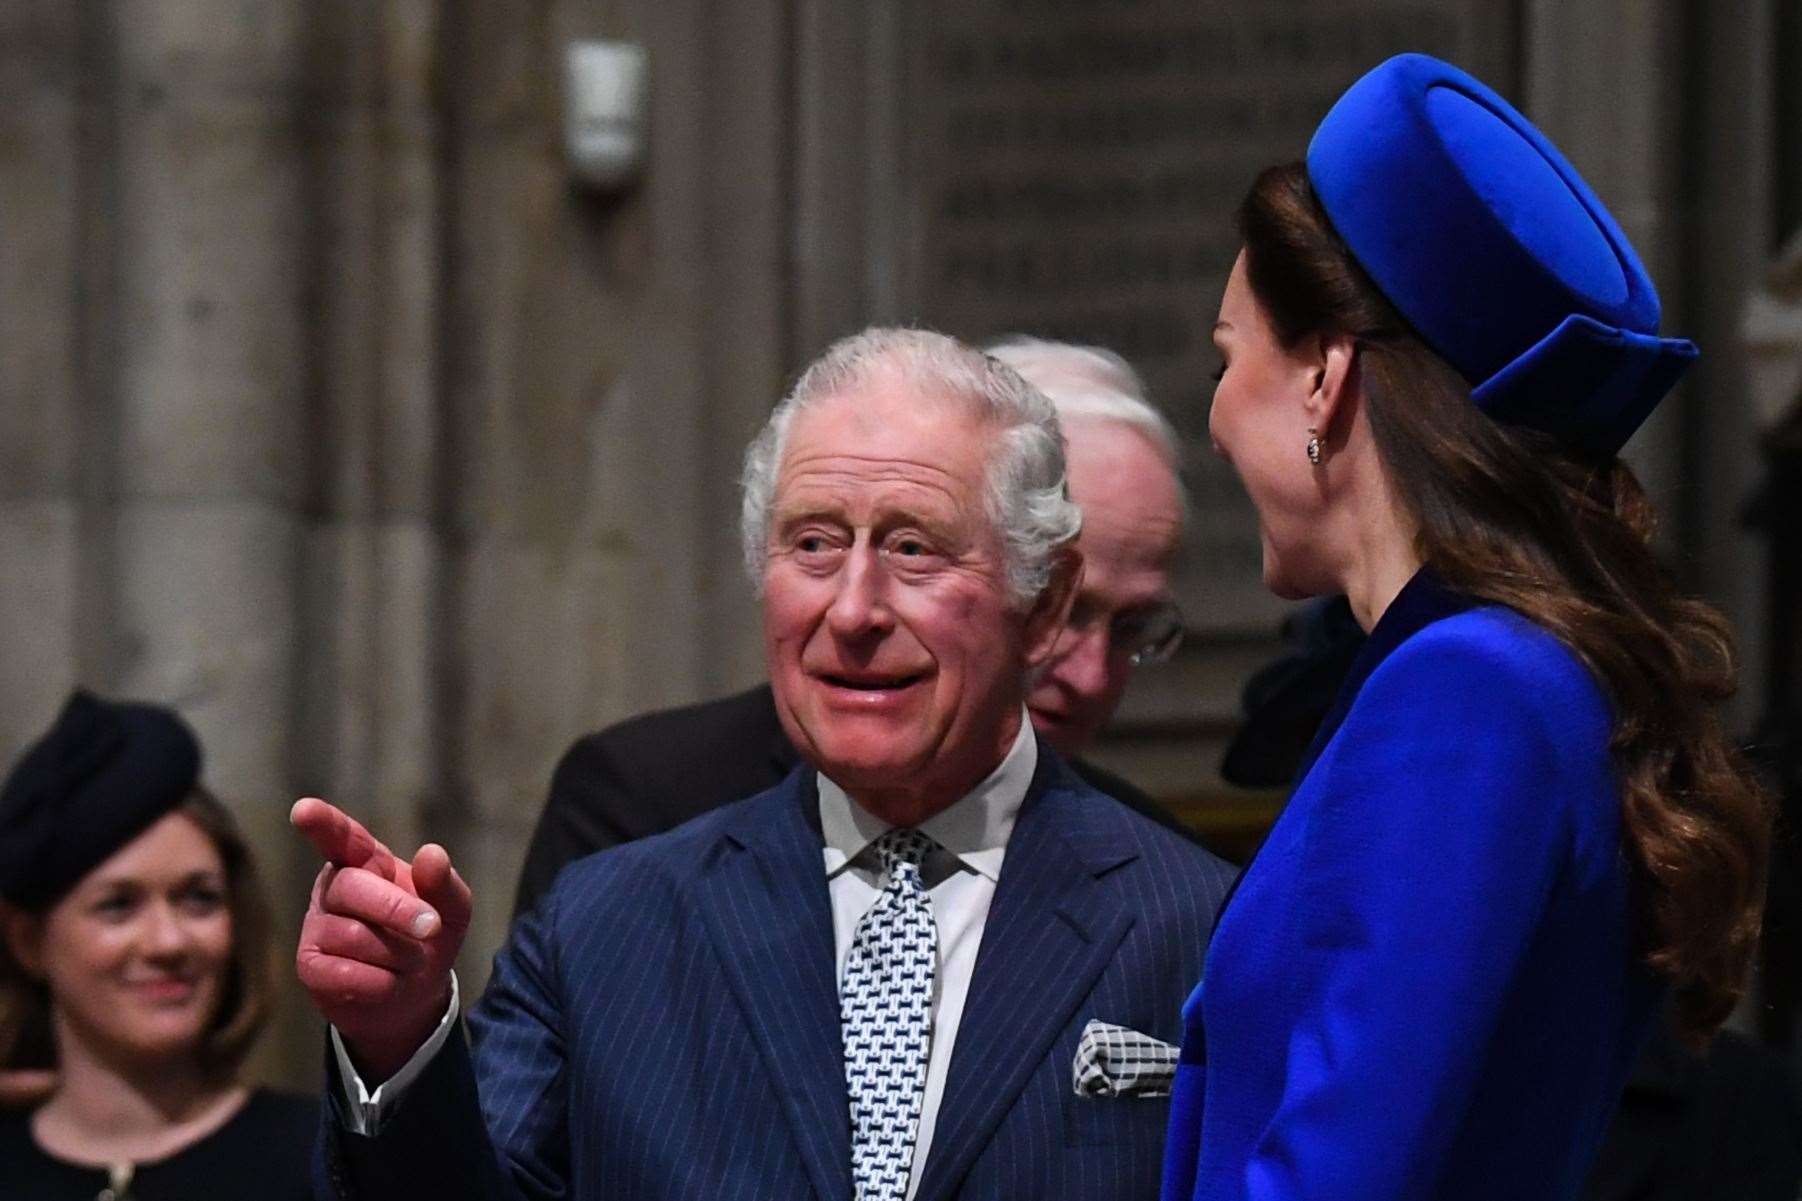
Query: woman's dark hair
x,y
1513,517
26,1039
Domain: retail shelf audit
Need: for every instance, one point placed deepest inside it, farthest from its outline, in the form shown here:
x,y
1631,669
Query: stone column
x,y
1771,338
374,566
1727,160
1603,81
606,359
369,726
1665,108
1771,329
42,221
1771,332
210,387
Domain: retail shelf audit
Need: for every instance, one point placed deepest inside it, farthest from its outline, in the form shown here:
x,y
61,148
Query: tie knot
x,y
899,847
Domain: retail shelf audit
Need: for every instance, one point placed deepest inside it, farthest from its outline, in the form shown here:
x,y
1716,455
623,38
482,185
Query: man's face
x,y
897,659
1131,526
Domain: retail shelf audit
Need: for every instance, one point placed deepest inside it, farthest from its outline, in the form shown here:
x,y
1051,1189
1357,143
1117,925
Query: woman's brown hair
x,y
26,1039
1511,516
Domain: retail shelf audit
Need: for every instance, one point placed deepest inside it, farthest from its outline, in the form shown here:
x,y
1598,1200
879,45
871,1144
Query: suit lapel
x,y
764,900
1052,928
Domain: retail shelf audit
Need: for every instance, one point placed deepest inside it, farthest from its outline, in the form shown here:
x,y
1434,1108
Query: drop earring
x,y
1313,446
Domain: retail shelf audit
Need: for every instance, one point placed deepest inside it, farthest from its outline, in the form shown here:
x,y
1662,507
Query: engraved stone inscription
x,y
1073,169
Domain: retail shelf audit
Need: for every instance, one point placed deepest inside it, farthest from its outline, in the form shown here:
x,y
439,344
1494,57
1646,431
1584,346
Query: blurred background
x,y
374,375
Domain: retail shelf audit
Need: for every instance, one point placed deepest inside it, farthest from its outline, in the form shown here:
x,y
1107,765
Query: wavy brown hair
x,y
1511,516
26,1038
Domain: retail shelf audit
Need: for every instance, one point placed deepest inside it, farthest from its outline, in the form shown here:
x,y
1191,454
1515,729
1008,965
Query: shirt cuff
x,y
362,1111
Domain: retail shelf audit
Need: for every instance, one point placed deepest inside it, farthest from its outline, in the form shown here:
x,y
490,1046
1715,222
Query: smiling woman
x,y
133,973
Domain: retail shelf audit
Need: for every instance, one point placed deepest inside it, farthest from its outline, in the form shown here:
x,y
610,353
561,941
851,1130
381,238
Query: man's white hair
x,y
1088,381
1024,492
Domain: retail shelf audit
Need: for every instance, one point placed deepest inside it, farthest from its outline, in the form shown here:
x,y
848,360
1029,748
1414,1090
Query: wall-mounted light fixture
x,y
604,90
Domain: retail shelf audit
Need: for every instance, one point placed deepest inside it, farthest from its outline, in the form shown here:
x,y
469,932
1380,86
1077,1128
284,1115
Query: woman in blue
x,y
1520,835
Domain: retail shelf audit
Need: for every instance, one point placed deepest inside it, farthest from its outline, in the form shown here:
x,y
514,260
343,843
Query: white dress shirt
x,y
363,1108
960,877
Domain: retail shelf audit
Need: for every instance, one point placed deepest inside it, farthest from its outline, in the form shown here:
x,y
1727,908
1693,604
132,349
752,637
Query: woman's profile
x,y
1520,834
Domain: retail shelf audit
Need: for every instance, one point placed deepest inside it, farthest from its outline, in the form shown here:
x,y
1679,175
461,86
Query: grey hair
x,y
1024,493
1088,381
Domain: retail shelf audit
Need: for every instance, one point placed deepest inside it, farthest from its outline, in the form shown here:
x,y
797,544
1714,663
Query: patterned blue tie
x,y
886,1002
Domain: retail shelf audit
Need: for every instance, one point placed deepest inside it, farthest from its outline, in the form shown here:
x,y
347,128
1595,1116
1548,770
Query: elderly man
x,y
658,770
1122,460
871,980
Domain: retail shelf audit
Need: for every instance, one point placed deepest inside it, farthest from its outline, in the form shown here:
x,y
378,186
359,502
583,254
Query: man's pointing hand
x,y
379,938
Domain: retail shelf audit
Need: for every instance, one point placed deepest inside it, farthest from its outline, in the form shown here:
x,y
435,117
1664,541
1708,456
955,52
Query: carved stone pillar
x,y
42,219
210,386
1772,332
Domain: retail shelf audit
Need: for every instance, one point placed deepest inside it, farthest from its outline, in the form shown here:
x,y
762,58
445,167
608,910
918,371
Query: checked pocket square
x,y
1112,1061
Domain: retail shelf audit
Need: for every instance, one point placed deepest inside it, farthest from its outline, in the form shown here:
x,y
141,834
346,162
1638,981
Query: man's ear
x,y
24,934
1045,621
1331,380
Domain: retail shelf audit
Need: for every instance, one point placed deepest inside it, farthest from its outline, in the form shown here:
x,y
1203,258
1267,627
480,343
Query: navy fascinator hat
x,y
102,775
1493,248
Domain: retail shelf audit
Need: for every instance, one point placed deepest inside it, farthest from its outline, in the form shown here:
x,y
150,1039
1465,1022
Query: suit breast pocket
x,y
1110,1121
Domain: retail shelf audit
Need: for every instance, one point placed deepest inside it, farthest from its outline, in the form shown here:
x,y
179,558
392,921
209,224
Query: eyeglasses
x,y
1143,636
1150,635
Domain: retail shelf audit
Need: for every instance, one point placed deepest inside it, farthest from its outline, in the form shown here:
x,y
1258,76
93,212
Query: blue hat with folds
x,y
1498,254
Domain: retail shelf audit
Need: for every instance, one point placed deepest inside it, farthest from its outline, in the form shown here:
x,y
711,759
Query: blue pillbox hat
x,y
104,772
1498,254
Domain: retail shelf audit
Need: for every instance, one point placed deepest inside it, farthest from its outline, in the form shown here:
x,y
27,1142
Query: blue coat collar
x,y
1423,600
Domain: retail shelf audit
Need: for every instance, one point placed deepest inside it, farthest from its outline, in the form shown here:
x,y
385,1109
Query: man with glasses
x,y
1122,463
653,772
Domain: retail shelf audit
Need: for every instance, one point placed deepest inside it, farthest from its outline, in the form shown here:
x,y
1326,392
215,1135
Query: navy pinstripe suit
x,y
666,1024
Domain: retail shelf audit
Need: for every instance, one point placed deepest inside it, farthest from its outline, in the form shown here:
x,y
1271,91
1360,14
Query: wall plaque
x,y
1070,168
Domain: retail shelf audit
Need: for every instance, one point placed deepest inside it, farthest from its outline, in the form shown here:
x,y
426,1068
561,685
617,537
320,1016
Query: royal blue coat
x,y
1424,986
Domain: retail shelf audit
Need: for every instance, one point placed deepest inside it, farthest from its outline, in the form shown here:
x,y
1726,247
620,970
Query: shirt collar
x,y
975,829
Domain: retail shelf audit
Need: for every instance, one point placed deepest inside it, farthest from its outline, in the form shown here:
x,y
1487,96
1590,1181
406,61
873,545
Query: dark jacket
x,y
665,1024
653,772
1724,1126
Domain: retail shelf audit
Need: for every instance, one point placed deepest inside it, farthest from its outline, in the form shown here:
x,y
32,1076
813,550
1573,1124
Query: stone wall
x,y
332,413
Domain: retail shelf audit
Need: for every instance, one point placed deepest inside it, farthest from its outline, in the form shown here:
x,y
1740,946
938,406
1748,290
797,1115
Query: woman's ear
x,y
24,934
1332,380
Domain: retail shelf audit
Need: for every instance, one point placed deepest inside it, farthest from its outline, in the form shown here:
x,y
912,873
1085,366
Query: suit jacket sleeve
x,y
445,1140
1428,862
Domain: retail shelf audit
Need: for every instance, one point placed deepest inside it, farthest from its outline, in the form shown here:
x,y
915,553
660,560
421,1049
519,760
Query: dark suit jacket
x,y
653,772
1725,1126
666,1023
